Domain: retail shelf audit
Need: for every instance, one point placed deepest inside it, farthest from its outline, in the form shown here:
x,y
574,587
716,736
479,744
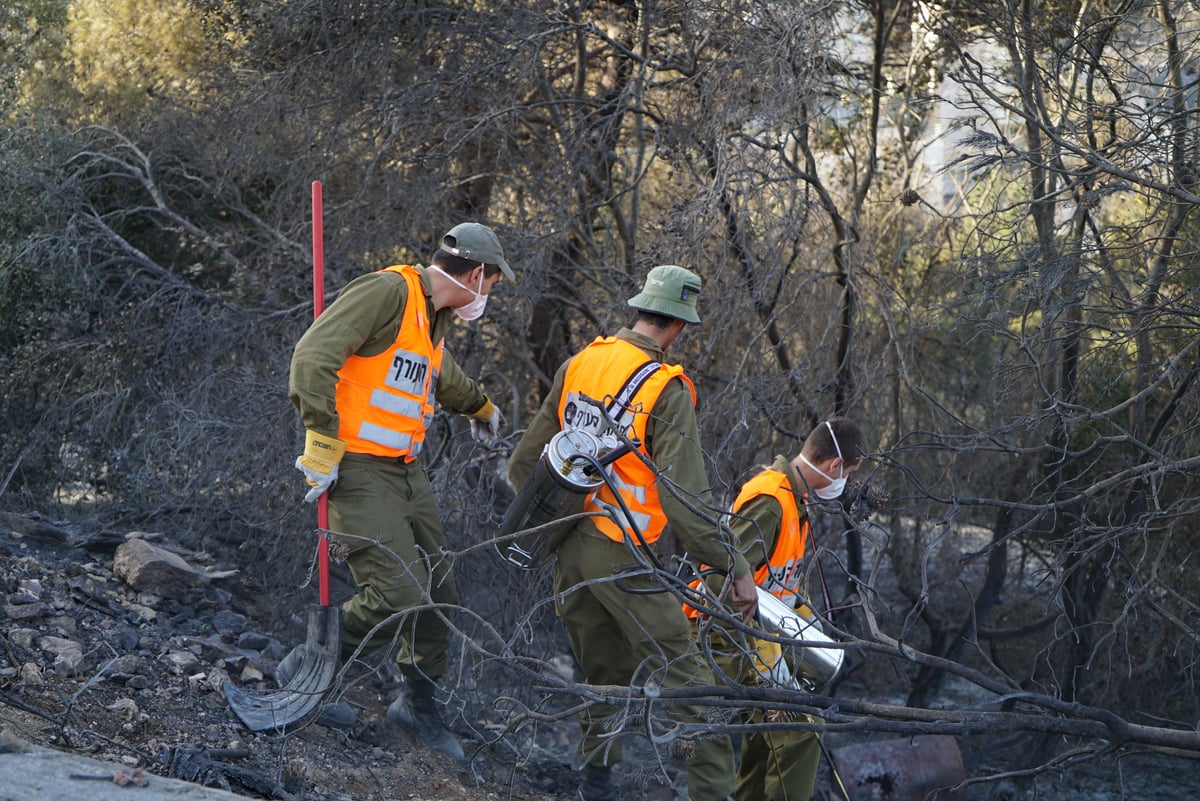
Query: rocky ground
x,y
93,664
117,647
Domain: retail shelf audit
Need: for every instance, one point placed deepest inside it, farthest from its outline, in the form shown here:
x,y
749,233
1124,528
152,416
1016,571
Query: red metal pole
x,y
318,252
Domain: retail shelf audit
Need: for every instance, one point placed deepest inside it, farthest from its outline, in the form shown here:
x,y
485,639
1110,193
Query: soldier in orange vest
x,y
769,519
620,637
365,378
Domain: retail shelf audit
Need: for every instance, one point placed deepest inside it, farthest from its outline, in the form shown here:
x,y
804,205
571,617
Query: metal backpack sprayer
x,y
571,466
817,655
561,479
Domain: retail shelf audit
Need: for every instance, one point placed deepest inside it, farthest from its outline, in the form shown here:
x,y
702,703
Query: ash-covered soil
x,y
91,665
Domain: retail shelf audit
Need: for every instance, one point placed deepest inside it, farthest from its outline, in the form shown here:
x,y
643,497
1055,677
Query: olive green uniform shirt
x,y
365,319
672,441
756,525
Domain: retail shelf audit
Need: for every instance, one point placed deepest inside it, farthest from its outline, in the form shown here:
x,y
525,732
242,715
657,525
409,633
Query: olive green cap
x,y
477,242
670,290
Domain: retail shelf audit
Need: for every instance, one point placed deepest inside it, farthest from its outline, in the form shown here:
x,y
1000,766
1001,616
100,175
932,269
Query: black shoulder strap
x,y
621,400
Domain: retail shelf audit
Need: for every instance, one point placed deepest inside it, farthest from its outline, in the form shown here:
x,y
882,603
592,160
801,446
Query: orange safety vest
x,y
780,574
619,374
385,402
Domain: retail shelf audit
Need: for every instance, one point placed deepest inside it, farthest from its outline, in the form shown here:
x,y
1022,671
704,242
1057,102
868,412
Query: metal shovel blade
x,y
304,693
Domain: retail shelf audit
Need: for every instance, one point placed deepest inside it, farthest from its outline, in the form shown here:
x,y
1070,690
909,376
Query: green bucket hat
x,y
479,243
669,290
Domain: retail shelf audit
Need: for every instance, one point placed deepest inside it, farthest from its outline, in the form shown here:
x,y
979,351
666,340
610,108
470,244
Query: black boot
x,y
416,712
597,783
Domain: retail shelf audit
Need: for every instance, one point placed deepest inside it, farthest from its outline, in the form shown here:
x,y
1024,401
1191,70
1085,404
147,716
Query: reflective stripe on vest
x,y
600,371
385,402
642,520
780,575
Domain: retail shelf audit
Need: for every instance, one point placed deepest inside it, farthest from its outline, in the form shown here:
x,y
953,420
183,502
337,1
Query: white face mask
x,y
474,309
836,486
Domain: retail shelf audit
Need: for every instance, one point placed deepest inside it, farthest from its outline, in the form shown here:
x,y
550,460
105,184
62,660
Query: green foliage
x,y
30,32
33,291
120,50
100,61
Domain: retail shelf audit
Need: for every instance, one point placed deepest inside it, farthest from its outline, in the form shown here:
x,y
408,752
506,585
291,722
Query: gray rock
x,y
125,667
181,662
148,568
23,637
24,611
228,624
31,586
254,640
123,638
67,653
38,773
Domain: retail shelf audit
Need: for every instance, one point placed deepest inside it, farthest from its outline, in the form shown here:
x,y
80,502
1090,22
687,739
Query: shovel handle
x,y
318,255
318,252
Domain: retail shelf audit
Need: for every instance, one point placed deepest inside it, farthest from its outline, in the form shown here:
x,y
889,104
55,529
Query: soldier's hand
x,y
486,423
319,462
745,596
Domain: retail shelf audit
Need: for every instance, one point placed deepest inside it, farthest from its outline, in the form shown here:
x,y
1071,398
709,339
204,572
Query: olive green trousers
x,y
390,510
622,638
774,765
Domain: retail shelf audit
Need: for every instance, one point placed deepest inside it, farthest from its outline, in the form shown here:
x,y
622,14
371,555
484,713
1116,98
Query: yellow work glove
x,y
768,655
485,423
770,664
319,462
